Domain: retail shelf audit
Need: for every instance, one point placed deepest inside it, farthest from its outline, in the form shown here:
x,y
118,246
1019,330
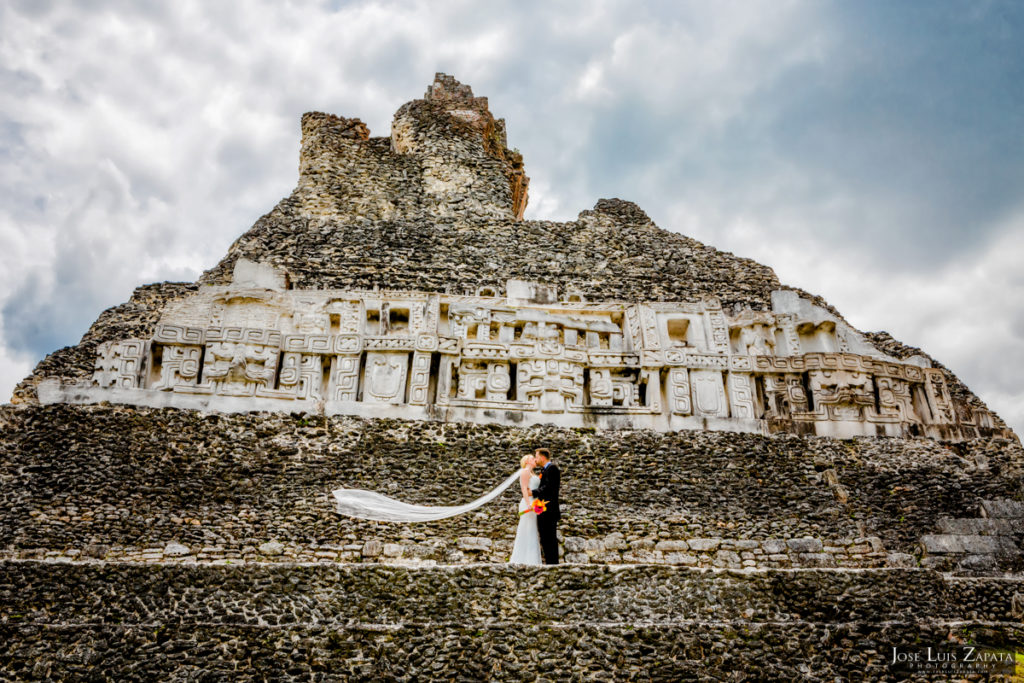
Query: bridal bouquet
x,y
538,506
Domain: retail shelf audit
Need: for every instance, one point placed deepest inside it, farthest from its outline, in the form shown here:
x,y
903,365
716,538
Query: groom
x,y
547,521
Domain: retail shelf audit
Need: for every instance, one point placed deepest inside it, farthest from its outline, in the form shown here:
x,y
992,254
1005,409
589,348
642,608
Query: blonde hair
x,y
522,460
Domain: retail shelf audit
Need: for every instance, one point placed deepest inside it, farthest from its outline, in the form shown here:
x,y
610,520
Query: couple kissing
x,y
537,533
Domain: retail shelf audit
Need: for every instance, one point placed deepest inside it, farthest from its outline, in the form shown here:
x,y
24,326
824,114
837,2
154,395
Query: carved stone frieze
x,y
344,382
120,364
708,394
234,368
301,375
661,366
179,366
384,377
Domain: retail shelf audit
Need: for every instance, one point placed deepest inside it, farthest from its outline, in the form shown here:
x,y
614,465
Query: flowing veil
x,y
380,508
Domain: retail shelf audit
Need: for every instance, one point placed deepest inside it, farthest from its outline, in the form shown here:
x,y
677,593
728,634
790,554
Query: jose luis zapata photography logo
x,y
956,659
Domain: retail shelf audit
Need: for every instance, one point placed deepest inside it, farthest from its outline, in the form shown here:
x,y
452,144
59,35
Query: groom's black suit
x,y
547,521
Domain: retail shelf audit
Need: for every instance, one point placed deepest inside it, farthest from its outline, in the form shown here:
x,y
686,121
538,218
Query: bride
x,y
375,506
526,549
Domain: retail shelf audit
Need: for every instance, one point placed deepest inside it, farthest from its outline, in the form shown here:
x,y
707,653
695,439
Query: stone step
x,y
62,621
1006,509
980,526
707,651
389,596
611,549
945,544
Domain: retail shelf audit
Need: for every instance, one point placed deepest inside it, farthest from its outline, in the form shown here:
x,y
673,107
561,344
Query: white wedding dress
x,y
378,507
526,549
375,506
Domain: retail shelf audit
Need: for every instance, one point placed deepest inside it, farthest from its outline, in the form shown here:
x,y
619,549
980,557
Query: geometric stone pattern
x,y
525,358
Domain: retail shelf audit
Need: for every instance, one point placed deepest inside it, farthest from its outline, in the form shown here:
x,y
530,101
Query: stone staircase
x,y
993,542
140,544
120,621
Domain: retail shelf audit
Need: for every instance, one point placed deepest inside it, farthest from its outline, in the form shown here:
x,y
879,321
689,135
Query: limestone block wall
x,y
494,623
106,482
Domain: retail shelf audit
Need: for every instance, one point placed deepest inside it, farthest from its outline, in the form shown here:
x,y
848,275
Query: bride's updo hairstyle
x,y
522,460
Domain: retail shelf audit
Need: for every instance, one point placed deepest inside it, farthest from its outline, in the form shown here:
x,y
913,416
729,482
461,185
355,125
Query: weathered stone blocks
x,y
650,623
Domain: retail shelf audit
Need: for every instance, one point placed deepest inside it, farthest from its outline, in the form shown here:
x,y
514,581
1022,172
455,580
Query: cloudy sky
x,y
871,152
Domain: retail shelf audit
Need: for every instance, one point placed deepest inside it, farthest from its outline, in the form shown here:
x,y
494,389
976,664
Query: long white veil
x,y
380,508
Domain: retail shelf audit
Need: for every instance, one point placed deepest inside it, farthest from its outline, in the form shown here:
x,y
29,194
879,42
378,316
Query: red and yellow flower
x,y
537,506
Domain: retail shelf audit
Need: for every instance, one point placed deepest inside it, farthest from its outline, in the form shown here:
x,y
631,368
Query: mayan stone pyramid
x,y
753,489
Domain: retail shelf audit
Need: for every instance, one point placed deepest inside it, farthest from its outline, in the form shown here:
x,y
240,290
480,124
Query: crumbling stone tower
x,y
751,483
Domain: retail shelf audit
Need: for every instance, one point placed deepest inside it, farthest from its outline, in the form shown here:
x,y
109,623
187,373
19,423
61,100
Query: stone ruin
x,y
576,350
527,357
751,483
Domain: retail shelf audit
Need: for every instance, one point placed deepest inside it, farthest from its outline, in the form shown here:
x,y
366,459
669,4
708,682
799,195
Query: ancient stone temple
x,y
751,484
400,280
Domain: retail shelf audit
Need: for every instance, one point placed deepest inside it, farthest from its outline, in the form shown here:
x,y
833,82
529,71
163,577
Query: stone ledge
x,y
1006,509
326,595
702,651
980,526
612,549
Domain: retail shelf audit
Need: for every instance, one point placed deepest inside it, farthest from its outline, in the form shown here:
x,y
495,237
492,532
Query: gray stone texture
x,y
255,487
437,206
287,622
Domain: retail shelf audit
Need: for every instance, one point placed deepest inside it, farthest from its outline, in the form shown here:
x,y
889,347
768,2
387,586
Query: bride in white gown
x,y
376,506
526,549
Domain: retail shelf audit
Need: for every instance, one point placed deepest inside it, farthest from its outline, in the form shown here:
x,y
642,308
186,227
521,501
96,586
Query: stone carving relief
x,y
613,388
741,395
484,381
754,335
179,367
679,391
385,377
550,385
660,365
419,381
938,397
302,375
344,383
708,394
894,400
841,395
120,364
236,369
785,397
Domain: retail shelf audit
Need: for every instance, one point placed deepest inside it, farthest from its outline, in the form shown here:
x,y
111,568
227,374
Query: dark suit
x,y
547,521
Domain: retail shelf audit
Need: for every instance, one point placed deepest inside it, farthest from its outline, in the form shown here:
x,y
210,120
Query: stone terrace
x,y
136,622
176,486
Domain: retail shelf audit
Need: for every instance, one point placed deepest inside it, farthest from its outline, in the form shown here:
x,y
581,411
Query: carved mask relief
x,y
665,365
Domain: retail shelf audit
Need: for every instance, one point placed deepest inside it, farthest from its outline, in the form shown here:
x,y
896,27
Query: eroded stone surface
x,y
146,535
120,483
484,622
